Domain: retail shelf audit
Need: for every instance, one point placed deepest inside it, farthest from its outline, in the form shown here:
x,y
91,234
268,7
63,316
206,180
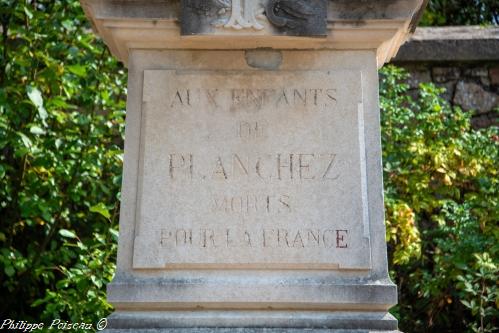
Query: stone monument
x,y
252,193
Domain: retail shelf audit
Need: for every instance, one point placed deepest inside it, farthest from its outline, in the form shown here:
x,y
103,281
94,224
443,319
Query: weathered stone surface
x,y
494,75
292,18
150,25
481,74
477,72
264,58
471,96
299,17
451,44
247,330
449,91
284,321
445,74
485,120
419,76
253,169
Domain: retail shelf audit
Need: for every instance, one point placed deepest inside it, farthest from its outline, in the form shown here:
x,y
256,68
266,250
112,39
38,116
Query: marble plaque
x,y
252,170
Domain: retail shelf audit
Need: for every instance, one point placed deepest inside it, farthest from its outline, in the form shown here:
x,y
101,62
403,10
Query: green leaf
x,y
36,98
96,281
101,209
26,141
78,70
38,302
68,24
67,233
10,271
37,130
28,13
114,234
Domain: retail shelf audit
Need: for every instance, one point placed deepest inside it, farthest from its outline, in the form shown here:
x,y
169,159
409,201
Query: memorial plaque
x,y
252,169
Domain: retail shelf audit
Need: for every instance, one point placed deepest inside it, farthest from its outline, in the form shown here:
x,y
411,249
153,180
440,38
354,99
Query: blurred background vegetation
x,y
62,110
461,12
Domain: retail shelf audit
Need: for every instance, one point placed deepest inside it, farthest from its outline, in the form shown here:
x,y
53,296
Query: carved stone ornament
x,y
281,17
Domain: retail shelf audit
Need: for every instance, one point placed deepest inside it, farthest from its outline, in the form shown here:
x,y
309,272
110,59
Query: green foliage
x,y
61,124
442,194
461,12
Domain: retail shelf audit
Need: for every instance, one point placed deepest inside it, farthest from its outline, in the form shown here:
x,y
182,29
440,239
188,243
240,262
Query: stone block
x,y
277,321
485,120
452,44
479,74
246,330
494,75
476,72
472,96
445,74
450,88
256,148
418,76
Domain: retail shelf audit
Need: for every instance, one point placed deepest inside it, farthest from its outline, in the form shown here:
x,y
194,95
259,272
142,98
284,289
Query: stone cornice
x,y
460,43
139,24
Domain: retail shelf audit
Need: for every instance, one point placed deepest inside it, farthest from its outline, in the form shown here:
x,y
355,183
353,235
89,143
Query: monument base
x,y
244,330
250,321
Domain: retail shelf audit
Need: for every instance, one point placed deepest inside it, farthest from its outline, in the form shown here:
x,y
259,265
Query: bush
x,y
442,193
461,12
61,124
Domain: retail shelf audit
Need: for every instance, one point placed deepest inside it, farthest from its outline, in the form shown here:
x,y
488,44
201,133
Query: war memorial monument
x,y
252,198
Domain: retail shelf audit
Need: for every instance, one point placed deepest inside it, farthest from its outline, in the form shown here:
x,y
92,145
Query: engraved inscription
x,y
252,204
253,170
264,238
252,130
268,167
252,99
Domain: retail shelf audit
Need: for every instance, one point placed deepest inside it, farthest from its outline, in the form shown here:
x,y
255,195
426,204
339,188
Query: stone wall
x,y
463,60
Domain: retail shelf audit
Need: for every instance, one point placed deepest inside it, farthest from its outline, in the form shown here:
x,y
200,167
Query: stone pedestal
x,y
252,195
